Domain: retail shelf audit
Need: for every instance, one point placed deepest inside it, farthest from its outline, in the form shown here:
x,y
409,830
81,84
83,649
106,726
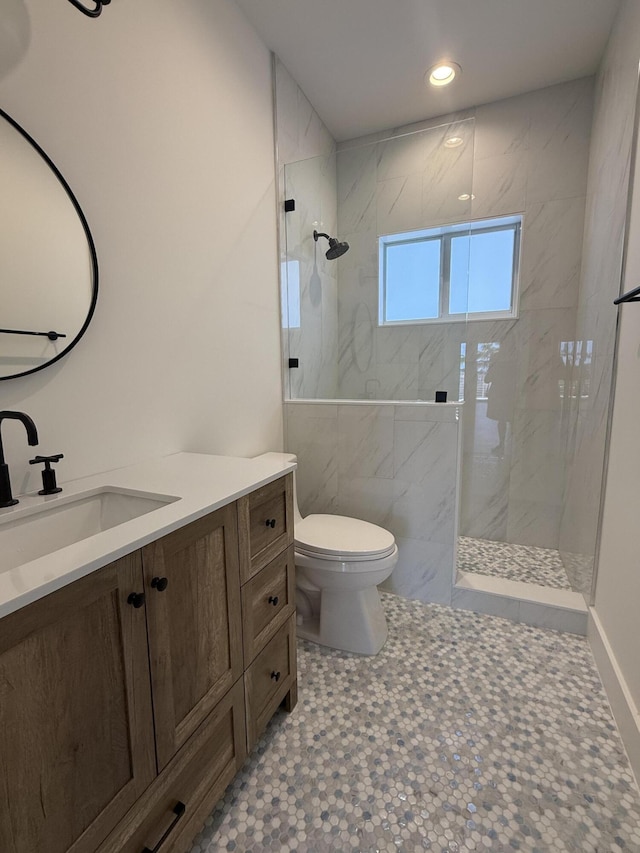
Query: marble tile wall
x,y
390,464
526,155
607,188
306,173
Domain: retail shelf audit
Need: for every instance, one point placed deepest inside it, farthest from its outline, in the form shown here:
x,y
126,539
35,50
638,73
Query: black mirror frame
x,y
91,244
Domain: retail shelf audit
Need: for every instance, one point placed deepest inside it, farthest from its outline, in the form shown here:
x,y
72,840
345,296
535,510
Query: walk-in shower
x,y
466,274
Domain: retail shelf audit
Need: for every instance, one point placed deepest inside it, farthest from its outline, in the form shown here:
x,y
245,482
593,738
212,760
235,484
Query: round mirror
x,y
48,263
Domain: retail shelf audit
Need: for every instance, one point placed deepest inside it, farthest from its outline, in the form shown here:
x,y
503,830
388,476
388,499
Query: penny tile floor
x,y
467,732
539,566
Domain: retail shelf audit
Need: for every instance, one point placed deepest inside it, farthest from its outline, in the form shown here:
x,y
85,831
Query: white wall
x,y
617,600
159,115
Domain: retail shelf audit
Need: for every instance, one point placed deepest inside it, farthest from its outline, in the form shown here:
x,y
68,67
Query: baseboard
x,y
624,710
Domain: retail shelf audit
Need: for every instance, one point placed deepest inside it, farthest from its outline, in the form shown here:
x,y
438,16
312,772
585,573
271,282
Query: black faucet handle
x,y
49,485
47,459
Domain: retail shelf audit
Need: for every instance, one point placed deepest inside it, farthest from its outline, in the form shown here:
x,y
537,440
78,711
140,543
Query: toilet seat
x,y
337,538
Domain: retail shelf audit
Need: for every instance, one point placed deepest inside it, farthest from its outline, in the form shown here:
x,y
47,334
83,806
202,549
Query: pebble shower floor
x,y
467,732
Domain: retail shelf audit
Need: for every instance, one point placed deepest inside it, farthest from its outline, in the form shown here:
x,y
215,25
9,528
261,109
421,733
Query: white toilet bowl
x,y
339,563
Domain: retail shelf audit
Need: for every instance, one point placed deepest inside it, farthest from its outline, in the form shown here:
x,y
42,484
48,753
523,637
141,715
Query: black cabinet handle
x,y
271,522
179,809
160,584
273,599
275,676
136,599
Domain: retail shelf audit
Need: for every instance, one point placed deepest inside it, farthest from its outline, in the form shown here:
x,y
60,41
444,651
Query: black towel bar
x,y
631,296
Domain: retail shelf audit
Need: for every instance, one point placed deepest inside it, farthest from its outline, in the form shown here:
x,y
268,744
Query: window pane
x,y
412,280
489,260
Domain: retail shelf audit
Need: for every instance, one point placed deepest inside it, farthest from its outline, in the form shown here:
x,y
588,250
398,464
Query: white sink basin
x,y
29,532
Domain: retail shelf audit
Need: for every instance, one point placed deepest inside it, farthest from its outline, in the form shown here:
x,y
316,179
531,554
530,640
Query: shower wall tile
x,y
502,128
365,441
398,346
439,360
561,116
424,571
448,175
398,204
484,517
541,370
423,452
397,381
395,466
442,413
533,523
538,467
553,177
500,185
312,434
301,133
357,190
551,254
401,157
369,498
424,514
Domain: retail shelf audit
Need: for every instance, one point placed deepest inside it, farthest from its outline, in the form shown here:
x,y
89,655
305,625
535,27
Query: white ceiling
x,y
361,63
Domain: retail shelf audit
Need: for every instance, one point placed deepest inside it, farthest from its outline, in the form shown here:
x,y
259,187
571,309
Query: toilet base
x,y
352,621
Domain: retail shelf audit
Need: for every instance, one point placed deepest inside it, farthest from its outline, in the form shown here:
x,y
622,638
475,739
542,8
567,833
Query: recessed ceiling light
x,y
453,142
466,197
443,73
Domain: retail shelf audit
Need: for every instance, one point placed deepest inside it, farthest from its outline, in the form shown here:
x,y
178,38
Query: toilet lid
x,y
339,536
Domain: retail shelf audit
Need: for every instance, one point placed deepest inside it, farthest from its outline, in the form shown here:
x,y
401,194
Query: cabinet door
x,y
192,586
76,744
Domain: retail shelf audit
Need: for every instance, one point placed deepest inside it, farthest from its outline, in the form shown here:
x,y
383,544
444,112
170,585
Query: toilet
x,y
339,563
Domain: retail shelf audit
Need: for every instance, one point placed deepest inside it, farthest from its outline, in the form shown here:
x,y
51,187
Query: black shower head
x,y
336,248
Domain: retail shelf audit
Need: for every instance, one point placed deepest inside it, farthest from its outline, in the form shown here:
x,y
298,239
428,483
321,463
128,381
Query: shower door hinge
x,y
289,205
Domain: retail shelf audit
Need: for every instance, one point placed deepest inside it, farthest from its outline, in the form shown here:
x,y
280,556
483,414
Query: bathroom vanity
x,y
139,665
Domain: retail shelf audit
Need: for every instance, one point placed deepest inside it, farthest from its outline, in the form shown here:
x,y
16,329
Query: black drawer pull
x,y
273,599
136,599
271,522
160,584
275,676
179,809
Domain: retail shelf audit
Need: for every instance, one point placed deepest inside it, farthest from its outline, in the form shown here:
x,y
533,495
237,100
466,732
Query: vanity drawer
x,y
265,521
269,679
268,600
195,779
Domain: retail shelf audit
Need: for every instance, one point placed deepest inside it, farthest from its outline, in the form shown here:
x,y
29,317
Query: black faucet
x,y
6,498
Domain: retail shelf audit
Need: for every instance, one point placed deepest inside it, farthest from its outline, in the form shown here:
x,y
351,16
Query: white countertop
x,y
202,483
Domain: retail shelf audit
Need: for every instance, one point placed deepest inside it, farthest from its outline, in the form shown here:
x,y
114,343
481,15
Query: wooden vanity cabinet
x,y
76,729
129,698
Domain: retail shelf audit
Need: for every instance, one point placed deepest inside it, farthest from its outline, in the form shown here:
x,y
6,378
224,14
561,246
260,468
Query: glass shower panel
x,y
348,341
309,281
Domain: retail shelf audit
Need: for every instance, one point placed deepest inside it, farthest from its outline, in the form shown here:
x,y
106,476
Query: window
x,y
450,273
